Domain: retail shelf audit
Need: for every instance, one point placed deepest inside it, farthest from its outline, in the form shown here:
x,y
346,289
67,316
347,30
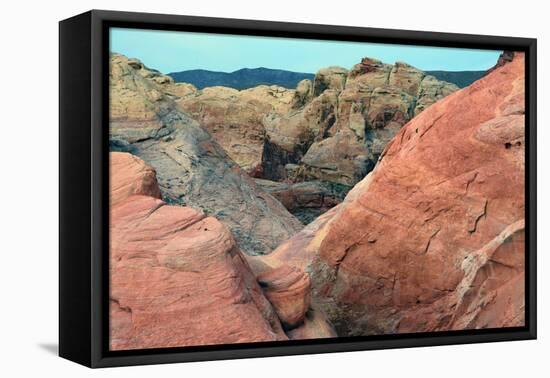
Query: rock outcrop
x,y
289,291
333,77
140,100
433,238
430,238
306,199
177,277
288,288
192,169
234,118
331,129
285,277
347,118
133,176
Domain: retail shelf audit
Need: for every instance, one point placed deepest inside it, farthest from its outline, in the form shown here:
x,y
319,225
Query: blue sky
x,y
169,51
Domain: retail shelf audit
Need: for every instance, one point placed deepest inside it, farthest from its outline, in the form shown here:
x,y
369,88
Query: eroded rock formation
x,y
331,129
133,176
347,119
288,288
289,291
192,169
234,118
177,275
433,238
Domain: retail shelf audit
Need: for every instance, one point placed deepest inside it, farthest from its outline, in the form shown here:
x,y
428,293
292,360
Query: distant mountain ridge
x,y
241,79
252,77
459,78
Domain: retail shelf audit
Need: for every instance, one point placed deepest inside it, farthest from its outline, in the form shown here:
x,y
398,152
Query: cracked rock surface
x,y
432,238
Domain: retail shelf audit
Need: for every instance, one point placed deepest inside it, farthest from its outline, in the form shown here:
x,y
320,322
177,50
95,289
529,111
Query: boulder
x,y
192,168
284,276
289,291
130,175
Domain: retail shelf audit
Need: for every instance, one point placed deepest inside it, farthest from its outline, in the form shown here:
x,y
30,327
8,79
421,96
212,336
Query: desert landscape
x,y
370,200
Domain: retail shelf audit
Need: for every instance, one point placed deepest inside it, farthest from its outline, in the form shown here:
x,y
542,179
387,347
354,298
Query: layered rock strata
x,y
192,169
177,277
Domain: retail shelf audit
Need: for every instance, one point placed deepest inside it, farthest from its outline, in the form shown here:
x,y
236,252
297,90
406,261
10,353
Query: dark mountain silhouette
x,y
251,77
241,79
459,78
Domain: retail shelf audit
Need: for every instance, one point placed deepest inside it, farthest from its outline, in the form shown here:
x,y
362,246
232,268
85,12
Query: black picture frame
x,y
83,182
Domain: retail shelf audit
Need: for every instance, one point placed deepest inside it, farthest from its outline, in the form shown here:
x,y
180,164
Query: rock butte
x,y
433,238
192,169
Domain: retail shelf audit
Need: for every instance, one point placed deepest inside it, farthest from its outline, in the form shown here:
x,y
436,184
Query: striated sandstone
x,y
130,175
289,291
192,169
177,277
432,238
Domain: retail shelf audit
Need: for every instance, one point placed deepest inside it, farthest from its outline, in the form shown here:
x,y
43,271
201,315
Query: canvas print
x,y
269,189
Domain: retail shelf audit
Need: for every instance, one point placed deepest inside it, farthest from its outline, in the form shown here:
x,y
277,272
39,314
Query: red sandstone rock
x,y
300,250
178,279
132,176
289,291
315,326
295,256
491,293
177,276
432,238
